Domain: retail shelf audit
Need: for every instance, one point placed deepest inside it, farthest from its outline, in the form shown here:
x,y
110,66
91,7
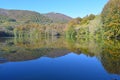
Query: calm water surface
x,y
59,59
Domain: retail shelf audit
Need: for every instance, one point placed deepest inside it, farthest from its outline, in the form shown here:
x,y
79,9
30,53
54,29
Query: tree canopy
x,y
111,19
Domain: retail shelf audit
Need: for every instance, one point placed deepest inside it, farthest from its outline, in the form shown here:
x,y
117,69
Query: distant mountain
x,y
25,16
58,17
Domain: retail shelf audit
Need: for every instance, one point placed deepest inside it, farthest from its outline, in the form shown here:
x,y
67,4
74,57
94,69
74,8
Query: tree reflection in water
x,y
21,49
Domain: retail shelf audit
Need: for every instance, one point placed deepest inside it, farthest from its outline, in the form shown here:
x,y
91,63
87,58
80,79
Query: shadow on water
x,y
22,49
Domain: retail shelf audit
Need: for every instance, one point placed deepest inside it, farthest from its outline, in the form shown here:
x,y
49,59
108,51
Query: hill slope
x,y
24,16
58,17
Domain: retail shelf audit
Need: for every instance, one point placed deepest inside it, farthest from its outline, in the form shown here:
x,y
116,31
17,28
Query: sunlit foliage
x,y
111,19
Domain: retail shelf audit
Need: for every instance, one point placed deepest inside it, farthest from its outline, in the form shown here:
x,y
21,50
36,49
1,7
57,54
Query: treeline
x,y
38,30
105,25
23,23
80,27
32,29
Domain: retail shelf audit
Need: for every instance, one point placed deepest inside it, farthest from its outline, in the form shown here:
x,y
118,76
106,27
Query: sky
x,y
73,8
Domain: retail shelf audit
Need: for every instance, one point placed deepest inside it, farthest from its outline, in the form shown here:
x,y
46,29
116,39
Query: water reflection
x,y
22,49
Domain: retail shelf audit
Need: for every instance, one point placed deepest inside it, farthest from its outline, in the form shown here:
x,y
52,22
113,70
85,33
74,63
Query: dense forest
x,y
103,26
21,23
111,19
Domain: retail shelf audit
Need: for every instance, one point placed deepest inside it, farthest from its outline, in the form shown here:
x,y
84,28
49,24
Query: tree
x,y
111,19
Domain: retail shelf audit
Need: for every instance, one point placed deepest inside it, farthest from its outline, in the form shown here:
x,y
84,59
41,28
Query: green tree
x,y
111,19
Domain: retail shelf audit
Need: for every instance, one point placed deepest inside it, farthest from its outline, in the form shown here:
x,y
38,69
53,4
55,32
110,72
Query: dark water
x,y
59,59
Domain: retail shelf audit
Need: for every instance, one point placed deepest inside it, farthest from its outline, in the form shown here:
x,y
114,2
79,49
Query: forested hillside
x,y
105,26
24,16
58,18
33,23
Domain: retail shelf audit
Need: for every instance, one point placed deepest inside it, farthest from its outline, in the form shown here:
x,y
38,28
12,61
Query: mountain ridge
x,y
33,16
58,17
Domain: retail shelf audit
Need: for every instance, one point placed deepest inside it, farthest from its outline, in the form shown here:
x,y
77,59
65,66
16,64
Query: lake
x,y
59,59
